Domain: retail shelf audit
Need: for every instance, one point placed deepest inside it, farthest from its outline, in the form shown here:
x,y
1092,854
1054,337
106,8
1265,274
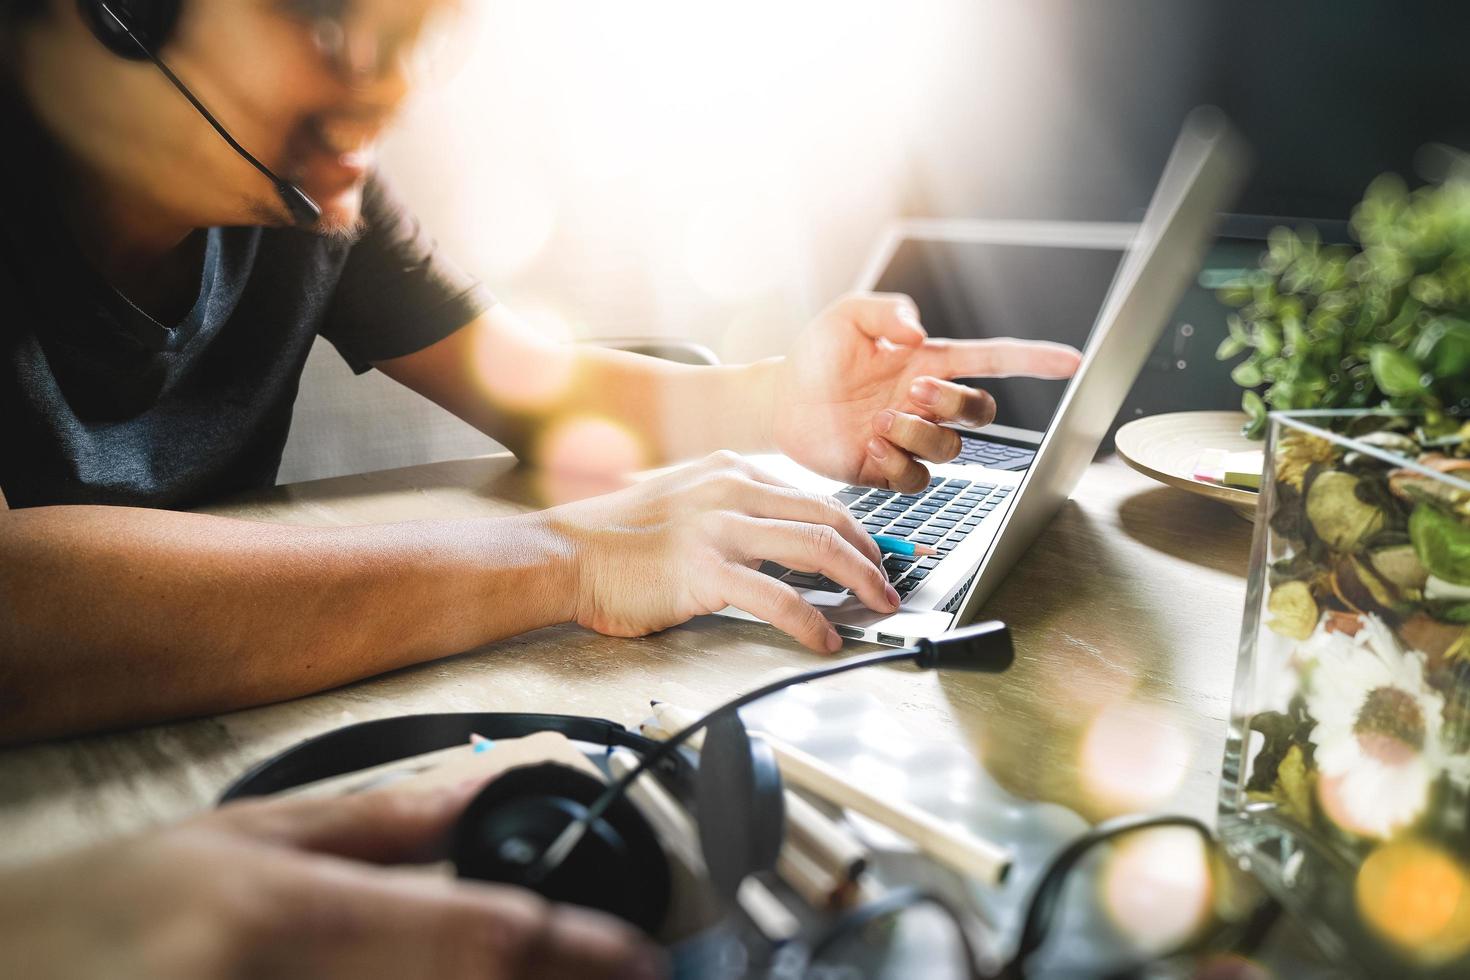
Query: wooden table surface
x,y
1125,615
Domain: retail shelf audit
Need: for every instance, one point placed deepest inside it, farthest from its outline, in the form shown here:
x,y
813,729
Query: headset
x,y
573,838
137,30
624,871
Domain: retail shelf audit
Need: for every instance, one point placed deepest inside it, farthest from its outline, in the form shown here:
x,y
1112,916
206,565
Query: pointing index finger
x,y
1001,358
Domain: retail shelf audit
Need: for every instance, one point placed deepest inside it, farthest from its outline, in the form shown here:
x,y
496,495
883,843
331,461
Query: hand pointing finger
x,y
1000,359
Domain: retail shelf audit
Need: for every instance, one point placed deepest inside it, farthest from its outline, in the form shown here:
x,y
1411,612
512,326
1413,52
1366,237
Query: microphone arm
x,y
304,211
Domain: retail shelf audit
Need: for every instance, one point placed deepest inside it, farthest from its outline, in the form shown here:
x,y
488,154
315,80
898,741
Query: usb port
x,y
851,632
891,640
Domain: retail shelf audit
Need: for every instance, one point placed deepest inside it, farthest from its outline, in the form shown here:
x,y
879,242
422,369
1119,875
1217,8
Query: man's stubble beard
x,y
336,230
341,232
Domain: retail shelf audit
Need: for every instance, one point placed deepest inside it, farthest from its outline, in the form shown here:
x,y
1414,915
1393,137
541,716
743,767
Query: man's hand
x,y
862,395
288,888
688,543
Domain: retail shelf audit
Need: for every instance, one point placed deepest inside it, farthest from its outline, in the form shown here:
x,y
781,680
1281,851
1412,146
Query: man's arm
x,y
863,395
525,390
116,616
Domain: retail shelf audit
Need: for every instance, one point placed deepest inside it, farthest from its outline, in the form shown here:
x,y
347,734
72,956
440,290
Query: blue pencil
x,y
890,545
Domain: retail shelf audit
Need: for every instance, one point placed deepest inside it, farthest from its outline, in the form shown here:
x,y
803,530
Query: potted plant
x,y
1386,324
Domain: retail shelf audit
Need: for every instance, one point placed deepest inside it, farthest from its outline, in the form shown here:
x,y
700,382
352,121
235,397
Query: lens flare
x,y
528,368
585,456
1417,897
546,324
1086,684
1133,757
1157,887
659,166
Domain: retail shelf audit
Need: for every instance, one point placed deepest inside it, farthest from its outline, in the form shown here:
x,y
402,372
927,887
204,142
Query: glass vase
x,y
1346,779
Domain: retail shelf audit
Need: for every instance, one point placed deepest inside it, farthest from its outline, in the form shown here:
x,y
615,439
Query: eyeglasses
x,y
363,40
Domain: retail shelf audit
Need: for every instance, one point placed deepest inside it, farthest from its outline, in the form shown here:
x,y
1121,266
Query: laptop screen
x,y
988,289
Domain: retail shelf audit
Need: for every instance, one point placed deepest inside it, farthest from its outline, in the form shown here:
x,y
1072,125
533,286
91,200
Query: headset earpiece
x,y
741,805
153,21
619,867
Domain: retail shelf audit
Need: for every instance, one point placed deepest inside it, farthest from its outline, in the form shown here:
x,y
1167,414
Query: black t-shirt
x,y
102,404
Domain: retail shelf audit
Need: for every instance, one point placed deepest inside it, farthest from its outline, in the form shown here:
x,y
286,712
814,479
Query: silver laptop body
x,y
985,517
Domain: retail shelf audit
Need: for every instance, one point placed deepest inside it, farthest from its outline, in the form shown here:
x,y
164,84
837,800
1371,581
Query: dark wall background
x,y
1067,108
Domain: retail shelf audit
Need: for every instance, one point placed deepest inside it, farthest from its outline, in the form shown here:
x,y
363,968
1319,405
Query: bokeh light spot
x,y
530,370
591,445
1157,887
1133,757
1417,897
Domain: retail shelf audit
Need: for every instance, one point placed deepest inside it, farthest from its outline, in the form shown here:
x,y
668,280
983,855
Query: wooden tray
x,y
1167,447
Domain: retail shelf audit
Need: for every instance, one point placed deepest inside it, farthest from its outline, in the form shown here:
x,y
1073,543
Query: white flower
x,y
1378,746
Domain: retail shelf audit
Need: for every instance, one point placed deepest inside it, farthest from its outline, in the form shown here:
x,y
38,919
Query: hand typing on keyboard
x,y
864,394
939,515
689,543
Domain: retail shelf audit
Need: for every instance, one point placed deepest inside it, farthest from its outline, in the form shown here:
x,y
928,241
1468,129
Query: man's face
x,y
318,80
308,86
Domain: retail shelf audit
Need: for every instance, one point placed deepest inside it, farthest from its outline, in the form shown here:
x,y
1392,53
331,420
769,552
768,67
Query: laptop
x,y
983,510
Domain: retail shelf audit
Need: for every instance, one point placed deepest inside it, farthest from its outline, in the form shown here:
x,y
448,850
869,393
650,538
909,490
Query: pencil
x,y
981,859
890,545
817,886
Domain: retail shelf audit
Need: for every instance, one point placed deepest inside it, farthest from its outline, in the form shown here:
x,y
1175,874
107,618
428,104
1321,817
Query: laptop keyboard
x,y
996,455
940,516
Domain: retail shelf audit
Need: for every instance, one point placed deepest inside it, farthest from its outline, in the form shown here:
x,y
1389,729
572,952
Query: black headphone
x,y
574,839
137,30
623,870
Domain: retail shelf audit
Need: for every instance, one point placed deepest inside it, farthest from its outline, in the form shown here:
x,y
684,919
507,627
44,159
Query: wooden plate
x,y
1167,447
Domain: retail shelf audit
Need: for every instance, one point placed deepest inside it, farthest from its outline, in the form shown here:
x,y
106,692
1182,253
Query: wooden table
x,y
1125,615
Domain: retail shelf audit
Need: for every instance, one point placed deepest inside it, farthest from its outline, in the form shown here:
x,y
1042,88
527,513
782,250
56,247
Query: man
x,y
158,306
